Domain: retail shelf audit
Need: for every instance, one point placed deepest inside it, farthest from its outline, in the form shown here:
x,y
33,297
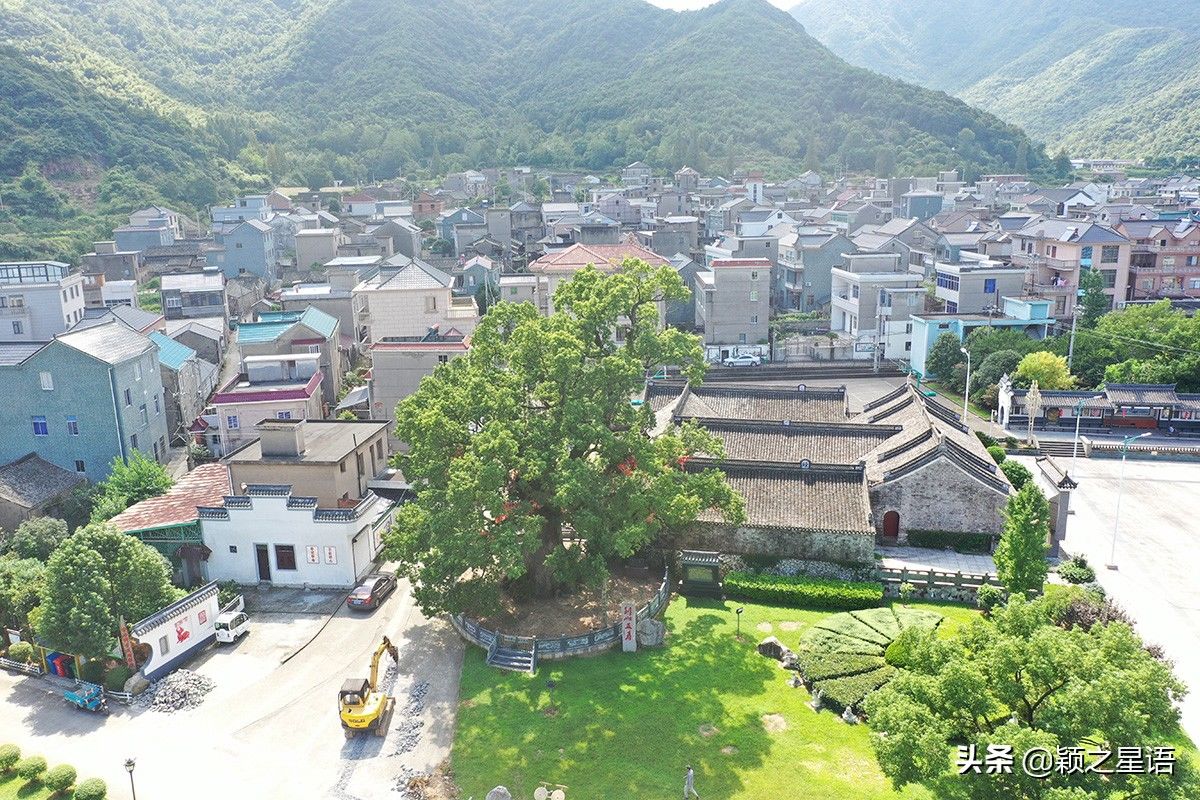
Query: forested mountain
x,y
198,97
1101,77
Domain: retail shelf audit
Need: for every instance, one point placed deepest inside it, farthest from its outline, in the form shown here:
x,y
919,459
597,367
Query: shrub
x,y
21,652
960,541
9,754
809,592
227,592
1018,474
818,665
31,768
91,789
114,681
988,597
1011,442
92,671
1076,570
904,650
997,453
60,778
906,591
848,692
985,439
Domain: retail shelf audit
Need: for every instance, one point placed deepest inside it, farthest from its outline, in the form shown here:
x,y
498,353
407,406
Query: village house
x,y
807,255
31,486
38,300
193,294
554,268
188,380
1029,315
307,331
1164,259
398,367
733,306
270,387
407,301
119,265
1054,252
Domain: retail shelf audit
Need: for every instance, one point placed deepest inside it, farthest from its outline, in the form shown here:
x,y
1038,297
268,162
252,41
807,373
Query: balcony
x,y
1035,260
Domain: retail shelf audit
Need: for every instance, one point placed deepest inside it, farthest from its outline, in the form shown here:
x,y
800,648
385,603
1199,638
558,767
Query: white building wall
x,y
328,554
398,313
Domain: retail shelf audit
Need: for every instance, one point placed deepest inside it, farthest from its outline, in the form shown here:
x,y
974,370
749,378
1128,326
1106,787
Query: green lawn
x,y
14,788
627,724
957,400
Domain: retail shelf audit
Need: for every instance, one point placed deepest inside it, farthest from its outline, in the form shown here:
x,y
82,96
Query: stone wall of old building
x,y
845,548
938,497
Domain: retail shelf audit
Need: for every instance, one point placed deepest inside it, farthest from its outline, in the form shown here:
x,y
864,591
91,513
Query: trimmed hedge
x,y
21,652
91,789
849,691
807,592
61,778
997,453
827,641
1076,570
881,620
816,665
959,541
31,768
10,754
847,625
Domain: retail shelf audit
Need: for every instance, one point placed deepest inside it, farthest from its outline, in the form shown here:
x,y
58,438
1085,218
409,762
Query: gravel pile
x,y
407,786
408,729
179,690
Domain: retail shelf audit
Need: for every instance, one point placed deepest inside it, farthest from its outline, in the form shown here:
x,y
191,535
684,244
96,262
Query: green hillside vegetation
x,y
200,98
1099,77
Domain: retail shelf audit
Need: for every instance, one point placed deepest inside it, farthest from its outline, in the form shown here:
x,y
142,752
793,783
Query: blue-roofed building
x,y
1030,315
82,399
307,331
188,380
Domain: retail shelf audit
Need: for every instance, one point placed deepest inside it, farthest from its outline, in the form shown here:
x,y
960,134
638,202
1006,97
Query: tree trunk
x,y
541,580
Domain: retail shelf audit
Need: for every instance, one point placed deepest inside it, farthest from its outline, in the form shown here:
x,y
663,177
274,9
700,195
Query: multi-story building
x,y
1026,315
288,332
187,380
1164,259
193,294
246,247
1053,252
807,255
331,460
117,265
270,387
554,268
38,300
398,367
636,174
874,294
82,399
405,302
733,305
317,246
976,283
243,209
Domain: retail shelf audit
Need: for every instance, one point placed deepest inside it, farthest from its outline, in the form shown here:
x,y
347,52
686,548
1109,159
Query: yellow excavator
x,y
362,705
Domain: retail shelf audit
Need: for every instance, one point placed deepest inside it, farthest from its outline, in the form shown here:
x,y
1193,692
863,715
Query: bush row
x,y
808,592
58,780
816,665
849,691
960,541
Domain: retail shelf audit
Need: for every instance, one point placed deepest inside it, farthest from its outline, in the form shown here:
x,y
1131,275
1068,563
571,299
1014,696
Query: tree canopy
x,y
1049,370
945,357
530,440
1021,554
36,537
96,576
1020,679
129,482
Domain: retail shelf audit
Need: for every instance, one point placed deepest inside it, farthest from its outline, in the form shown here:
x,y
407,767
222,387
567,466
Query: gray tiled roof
x,y
760,403
112,342
779,496
1141,394
819,443
12,353
30,481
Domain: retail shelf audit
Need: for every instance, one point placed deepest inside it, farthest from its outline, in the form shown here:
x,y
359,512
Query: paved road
x,y
1157,554
267,730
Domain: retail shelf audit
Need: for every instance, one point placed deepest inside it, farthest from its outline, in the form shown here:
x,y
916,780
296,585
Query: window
x,y
133,441
156,451
443,359
342,466
361,466
907,346
741,338
908,327
128,398
379,448
1109,253
231,422
233,548
47,381
173,302
18,329
951,307
754,319
754,296
72,426
430,304
1168,261
947,281
854,291
162,645
285,556
989,285
754,275
145,416
79,467
137,371
16,301
283,415
314,348
1194,283
238,246
40,428
1085,254
1110,278
157,405
64,295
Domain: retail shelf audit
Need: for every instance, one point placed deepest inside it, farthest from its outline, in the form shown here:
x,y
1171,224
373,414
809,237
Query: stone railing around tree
x,y
563,646
934,584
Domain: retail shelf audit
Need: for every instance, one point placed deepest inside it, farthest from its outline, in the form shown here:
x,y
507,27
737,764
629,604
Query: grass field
x,y
14,788
626,725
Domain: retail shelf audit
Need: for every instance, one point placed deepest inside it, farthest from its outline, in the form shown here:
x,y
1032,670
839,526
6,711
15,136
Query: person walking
x,y
689,783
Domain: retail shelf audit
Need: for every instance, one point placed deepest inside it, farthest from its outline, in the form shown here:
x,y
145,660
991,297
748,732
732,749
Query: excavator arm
x,y
385,646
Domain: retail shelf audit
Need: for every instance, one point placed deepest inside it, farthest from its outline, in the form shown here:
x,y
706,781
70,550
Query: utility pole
x,y
878,332
1071,346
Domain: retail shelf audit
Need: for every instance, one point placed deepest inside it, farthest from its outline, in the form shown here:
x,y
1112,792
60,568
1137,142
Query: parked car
x,y
232,625
743,360
372,591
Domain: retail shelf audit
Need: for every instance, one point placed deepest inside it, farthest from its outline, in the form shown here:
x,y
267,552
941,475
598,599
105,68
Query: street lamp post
x,y
1078,419
967,388
1112,556
129,765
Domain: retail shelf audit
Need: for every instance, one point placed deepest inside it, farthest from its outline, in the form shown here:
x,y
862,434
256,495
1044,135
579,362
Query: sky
x,y
681,5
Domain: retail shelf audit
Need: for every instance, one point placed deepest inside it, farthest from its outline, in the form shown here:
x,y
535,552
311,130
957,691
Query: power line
x,y
1112,337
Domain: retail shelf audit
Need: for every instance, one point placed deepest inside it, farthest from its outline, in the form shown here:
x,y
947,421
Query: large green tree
x,y
21,581
532,466
1094,301
944,357
1021,680
37,537
1048,369
1021,554
96,576
130,481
